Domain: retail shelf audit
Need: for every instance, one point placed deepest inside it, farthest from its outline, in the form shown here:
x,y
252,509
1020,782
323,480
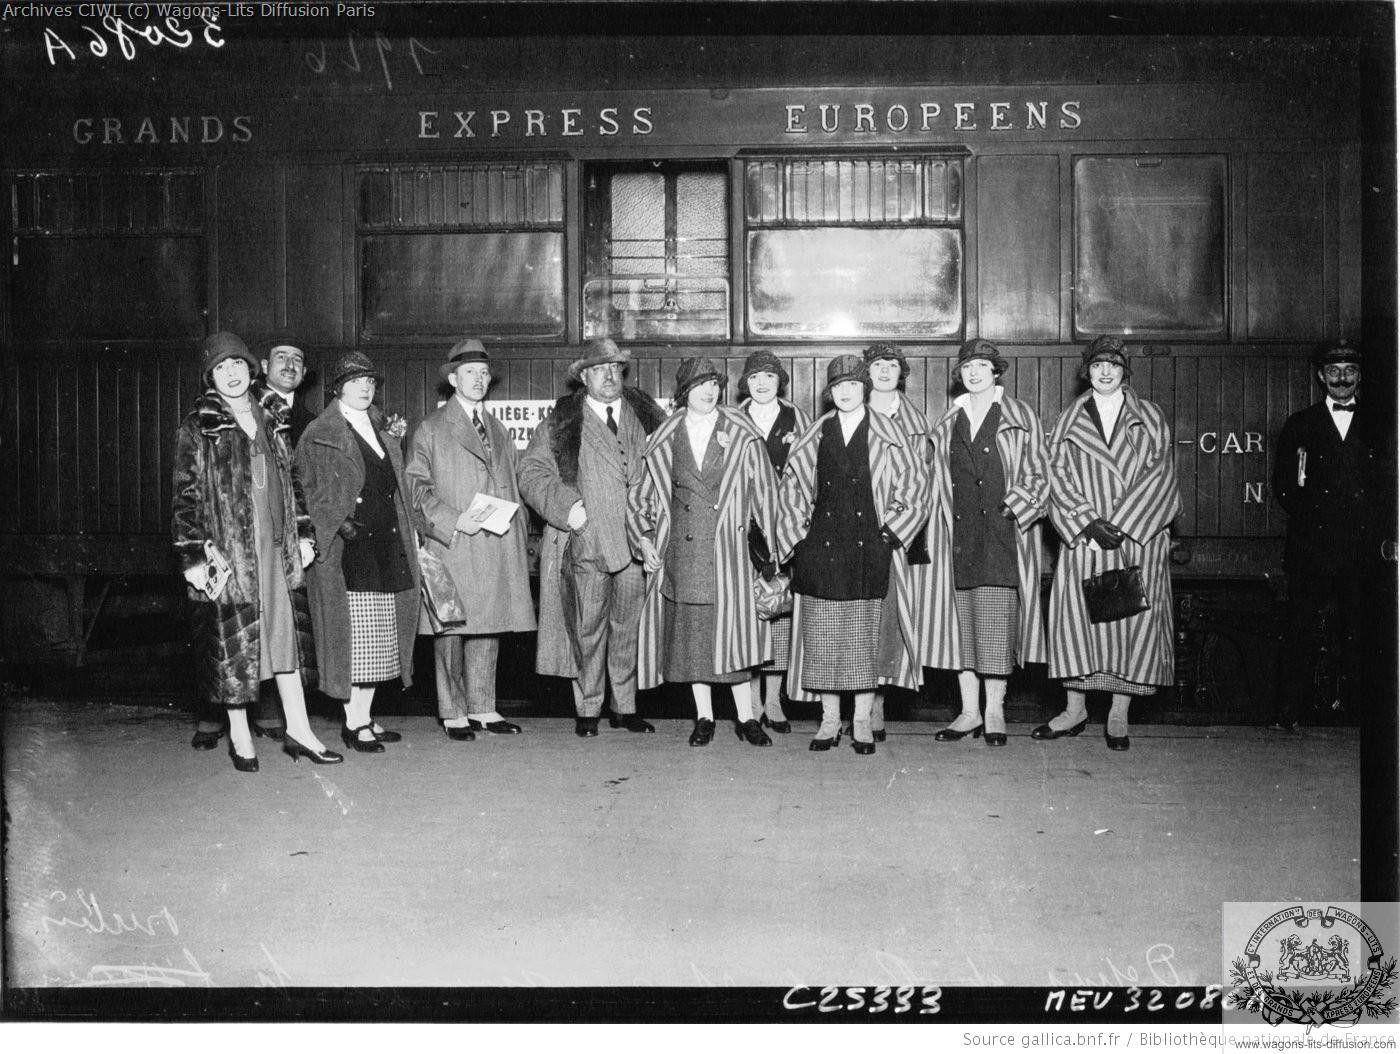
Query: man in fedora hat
x,y
1327,476
284,365
459,451
575,474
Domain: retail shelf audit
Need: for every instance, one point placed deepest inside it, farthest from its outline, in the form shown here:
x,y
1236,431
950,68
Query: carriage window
x,y
127,245
445,249
657,252
1149,244
854,248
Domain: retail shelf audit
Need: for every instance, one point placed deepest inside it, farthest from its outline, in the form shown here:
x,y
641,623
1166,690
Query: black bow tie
x,y
1343,407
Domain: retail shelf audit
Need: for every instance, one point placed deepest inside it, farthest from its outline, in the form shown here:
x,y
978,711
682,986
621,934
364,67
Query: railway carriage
x,y
392,182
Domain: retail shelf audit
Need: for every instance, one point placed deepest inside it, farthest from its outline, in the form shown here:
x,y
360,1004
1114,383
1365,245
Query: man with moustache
x,y
459,451
575,474
284,365
1327,476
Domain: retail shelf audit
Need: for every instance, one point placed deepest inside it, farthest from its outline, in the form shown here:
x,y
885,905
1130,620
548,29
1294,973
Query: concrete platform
x,y
543,859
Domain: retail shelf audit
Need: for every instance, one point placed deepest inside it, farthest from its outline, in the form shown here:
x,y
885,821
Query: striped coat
x,y
1021,446
1134,487
902,494
748,490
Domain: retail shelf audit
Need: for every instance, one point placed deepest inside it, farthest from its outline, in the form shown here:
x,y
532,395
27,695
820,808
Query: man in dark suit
x,y
284,364
1327,478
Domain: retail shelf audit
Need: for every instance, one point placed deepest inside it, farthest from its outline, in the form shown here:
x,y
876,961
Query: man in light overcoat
x,y
575,474
459,451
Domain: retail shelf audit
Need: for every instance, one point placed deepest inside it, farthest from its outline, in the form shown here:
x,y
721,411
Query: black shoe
x,y
824,744
862,748
384,735
585,727
295,750
241,763
498,728
631,722
703,733
952,735
879,734
1115,742
1280,725
1046,732
752,732
462,735
996,739
205,740
272,732
781,727
351,738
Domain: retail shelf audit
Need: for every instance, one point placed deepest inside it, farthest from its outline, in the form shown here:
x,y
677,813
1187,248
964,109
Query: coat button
x,y
690,537
860,545
979,482
986,450
715,507
828,545
687,507
359,500
956,516
859,513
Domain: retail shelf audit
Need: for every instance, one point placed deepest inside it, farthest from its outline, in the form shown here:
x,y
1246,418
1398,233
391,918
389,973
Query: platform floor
x,y
543,859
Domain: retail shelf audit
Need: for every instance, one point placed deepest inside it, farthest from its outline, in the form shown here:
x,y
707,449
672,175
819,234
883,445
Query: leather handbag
x,y
1115,594
440,591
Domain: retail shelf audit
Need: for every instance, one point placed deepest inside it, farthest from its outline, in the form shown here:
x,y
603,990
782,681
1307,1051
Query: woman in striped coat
x,y
984,541
780,422
705,476
1114,494
889,370
853,492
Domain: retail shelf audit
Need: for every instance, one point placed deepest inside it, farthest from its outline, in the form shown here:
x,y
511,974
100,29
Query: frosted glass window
x,y
855,282
1149,243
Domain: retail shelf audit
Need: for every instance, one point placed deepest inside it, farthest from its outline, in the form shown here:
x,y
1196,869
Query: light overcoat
x,y
1133,486
1021,449
902,492
331,471
447,467
748,490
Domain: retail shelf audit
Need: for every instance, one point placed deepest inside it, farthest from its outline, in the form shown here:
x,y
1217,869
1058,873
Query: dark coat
x,y
213,502
1333,526
330,471
549,483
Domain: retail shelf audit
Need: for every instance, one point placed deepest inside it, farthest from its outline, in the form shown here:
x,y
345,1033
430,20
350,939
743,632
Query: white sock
x,y
487,718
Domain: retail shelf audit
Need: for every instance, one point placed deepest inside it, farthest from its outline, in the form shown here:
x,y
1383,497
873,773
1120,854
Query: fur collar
x,y
566,427
213,416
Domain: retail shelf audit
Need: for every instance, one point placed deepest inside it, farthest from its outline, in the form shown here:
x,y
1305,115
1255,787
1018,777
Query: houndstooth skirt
x,y
988,620
374,638
1108,682
841,644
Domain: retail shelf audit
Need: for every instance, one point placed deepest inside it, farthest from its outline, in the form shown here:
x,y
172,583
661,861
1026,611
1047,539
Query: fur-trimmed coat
x,y
903,499
331,473
213,502
748,490
549,482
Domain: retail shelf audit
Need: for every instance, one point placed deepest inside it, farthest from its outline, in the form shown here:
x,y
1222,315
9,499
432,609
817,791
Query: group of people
x,y
742,545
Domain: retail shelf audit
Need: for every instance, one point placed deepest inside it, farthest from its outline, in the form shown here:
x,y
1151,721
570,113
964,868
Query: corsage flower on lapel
x,y
722,437
396,425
